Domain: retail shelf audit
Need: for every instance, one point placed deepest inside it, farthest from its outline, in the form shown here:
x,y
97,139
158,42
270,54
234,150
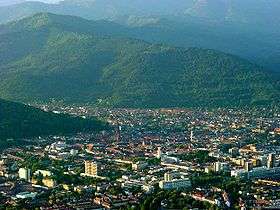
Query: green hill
x,y
20,121
233,26
79,61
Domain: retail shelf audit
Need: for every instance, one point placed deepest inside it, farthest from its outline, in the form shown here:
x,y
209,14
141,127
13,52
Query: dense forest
x,y
19,121
237,27
61,57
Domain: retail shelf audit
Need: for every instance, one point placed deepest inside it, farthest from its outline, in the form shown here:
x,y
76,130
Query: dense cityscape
x,y
139,104
150,159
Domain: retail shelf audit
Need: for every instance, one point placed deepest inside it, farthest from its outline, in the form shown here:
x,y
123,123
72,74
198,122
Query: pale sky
x,y
7,2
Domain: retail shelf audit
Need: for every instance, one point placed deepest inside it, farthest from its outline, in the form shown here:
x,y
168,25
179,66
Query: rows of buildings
x,y
150,151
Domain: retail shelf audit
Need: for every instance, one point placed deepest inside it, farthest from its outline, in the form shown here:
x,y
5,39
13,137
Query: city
x,y
151,159
139,104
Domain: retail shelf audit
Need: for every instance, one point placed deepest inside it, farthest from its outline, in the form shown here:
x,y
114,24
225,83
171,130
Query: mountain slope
x,y
20,121
233,26
78,65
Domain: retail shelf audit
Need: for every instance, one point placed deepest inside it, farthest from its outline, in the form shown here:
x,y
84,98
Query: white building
x,y
175,184
44,173
239,173
148,188
170,183
169,159
25,195
257,173
271,161
168,177
24,173
159,153
74,152
217,166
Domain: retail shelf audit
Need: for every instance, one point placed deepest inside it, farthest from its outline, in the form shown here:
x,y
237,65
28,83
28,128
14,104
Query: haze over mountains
x,y
12,2
230,10
64,57
233,26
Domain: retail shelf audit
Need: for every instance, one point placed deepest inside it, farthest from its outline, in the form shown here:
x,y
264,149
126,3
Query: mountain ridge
x,y
93,65
261,11
236,27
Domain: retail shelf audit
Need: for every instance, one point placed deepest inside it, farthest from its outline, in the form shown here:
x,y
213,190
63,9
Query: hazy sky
x,y
7,2
49,1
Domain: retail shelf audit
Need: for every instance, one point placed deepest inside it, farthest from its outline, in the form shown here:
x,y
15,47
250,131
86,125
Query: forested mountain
x,y
62,57
249,29
20,121
247,41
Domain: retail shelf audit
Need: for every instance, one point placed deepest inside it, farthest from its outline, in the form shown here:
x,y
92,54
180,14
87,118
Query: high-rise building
x,y
24,173
168,177
271,161
91,168
159,153
217,166
191,136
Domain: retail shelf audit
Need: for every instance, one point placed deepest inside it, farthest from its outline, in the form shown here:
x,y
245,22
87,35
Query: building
x,y
25,195
89,147
233,151
220,166
248,166
24,173
168,177
118,134
258,173
191,136
50,183
159,153
169,159
140,165
217,167
263,172
241,173
74,152
148,188
256,162
175,184
44,173
91,168
4,168
271,161
208,169
170,183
